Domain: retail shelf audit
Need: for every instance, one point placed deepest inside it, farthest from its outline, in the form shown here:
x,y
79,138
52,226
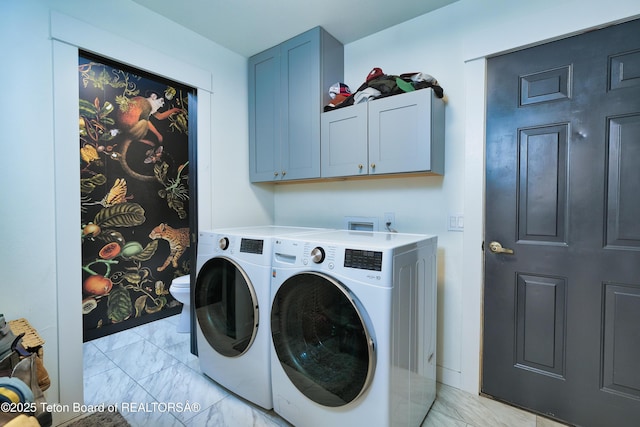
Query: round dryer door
x,y
321,337
226,306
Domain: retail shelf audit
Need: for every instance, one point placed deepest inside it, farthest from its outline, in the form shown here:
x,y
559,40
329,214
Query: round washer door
x,y
226,306
322,340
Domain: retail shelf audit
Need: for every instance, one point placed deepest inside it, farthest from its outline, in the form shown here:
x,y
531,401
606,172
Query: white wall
x,y
39,215
450,44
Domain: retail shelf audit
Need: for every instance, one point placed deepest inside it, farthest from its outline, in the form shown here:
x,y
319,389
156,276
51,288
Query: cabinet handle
x,y
373,165
284,173
360,166
275,174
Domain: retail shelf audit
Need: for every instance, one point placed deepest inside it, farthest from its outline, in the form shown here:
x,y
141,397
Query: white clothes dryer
x,y
353,325
231,303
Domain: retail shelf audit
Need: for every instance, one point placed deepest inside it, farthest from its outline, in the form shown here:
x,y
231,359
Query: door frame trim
x,y
69,35
473,234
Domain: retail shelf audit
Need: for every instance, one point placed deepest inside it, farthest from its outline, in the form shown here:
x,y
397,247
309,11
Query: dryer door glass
x,y
321,337
226,306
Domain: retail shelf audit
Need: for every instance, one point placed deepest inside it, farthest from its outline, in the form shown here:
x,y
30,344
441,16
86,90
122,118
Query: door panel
x,y
623,211
562,311
542,186
624,70
544,86
541,308
622,346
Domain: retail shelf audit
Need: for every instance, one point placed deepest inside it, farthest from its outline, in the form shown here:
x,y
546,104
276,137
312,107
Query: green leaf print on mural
x,y
140,304
146,253
175,190
119,304
87,185
120,215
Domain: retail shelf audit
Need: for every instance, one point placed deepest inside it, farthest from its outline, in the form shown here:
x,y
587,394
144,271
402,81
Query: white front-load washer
x,y
231,303
353,325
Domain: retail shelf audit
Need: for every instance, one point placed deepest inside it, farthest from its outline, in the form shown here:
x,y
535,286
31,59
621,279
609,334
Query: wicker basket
x,y
31,340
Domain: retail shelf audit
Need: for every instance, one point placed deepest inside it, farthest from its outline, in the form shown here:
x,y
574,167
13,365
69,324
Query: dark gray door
x,y
562,312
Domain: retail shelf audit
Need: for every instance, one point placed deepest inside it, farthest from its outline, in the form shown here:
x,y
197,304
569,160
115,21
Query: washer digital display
x,y
252,246
364,260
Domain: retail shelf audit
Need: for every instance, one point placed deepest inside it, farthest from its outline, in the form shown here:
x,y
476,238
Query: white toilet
x,y
181,290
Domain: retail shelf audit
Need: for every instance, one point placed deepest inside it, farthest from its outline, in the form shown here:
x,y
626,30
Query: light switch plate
x,y
455,222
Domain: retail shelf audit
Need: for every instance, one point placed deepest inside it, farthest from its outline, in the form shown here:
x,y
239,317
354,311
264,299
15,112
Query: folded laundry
x,y
419,77
422,81
365,95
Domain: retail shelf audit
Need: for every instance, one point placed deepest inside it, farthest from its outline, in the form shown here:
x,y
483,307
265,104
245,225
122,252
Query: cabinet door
x,y
344,150
400,133
264,115
300,106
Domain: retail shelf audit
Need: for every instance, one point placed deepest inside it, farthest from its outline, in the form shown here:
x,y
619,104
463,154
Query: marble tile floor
x,y
151,369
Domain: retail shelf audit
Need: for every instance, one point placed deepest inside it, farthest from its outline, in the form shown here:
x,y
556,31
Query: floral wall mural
x,y
134,184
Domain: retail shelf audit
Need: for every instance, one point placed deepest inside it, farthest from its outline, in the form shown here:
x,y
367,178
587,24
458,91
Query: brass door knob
x,y
497,248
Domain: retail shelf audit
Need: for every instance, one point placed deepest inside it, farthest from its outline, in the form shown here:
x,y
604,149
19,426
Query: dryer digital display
x,y
252,246
364,260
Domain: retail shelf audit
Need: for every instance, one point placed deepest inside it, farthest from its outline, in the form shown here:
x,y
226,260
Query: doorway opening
x,y
134,137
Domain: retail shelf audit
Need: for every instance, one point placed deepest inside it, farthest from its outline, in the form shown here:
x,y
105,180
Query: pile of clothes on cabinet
x,y
379,85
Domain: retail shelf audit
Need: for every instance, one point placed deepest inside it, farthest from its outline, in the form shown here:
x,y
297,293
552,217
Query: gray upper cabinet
x,y
396,134
288,89
264,115
345,145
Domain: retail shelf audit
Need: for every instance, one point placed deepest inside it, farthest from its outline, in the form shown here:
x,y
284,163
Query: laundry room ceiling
x,y
251,26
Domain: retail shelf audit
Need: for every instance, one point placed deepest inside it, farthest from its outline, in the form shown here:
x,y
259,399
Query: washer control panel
x,y
363,260
223,243
317,255
252,246
341,261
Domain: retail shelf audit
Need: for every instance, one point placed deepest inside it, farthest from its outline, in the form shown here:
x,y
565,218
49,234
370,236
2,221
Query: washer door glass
x,y
226,306
321,338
